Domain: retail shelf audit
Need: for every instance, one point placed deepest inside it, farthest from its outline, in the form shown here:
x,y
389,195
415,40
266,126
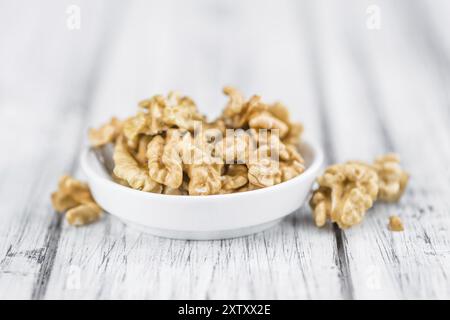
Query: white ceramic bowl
x,y
202,217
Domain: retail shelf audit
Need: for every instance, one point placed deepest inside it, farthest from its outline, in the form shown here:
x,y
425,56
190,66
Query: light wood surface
x,y
359,91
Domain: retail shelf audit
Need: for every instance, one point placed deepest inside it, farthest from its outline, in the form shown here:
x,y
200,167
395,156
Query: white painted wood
x,y
45,87
301,266
376,107
361,92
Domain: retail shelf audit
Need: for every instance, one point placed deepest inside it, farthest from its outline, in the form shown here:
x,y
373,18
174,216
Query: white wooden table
x,y
359,87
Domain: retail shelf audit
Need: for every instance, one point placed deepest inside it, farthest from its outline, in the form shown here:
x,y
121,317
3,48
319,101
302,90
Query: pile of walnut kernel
x,y
155,151
346,191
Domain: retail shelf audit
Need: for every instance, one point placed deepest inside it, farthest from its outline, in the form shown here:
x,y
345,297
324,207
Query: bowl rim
x,y
316,163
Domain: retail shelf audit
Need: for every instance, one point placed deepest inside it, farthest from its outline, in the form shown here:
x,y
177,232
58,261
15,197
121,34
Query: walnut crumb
x,y
395,223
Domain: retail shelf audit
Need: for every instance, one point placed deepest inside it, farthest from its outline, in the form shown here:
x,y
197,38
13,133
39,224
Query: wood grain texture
x,y
360,92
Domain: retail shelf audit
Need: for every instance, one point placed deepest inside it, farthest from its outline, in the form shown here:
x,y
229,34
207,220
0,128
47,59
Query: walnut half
x,y
128,169
346,192
83,214
393,178
75,197
105,134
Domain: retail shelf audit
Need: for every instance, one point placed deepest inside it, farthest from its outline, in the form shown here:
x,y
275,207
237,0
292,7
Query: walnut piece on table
x,y
395,223
83,214
346,191
75,197
393,178
70,193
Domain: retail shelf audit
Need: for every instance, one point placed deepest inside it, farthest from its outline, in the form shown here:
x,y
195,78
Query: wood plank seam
x,y
341,261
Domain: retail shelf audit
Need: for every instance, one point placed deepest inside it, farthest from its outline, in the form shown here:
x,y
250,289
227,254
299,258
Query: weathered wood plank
x,y
359,91
42,114
377,108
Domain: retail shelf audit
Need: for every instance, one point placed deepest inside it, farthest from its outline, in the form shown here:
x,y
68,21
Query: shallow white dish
x,y
202,217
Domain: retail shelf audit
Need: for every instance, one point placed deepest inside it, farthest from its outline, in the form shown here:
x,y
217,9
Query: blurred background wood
x,y
361,89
